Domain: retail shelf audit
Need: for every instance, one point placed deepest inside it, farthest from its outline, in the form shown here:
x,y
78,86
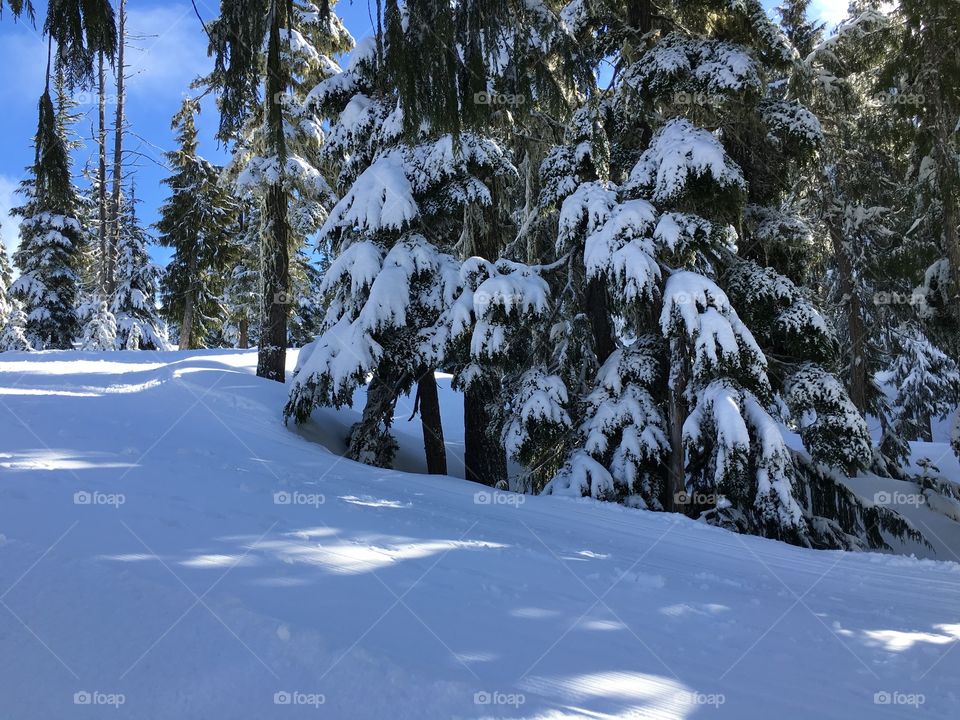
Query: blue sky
x,y
169,51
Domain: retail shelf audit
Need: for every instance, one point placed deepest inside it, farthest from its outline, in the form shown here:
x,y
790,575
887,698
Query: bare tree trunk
x,y
114,235
428,402
272,351
244,341
102,178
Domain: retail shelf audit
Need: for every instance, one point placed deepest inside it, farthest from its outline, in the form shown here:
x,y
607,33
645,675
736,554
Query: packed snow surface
x,y
170,550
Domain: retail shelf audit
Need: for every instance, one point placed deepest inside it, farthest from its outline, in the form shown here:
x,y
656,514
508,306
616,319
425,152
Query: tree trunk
x,y
428,401
948,184
272,351
186,327
102,178
677,412
856,329
370,440
484,458
599,314
244,341
114,236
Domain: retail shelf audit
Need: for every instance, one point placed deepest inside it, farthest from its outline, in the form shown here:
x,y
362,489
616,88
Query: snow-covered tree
x,y
51,238
197,222
395,277
100,327
13,329
12,318
670,379
139,326
926,382
283,48
925,73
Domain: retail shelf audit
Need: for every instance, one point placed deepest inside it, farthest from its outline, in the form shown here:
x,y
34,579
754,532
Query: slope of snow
x,y
170,550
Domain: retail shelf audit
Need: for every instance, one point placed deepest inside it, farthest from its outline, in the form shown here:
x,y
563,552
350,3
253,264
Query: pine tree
x,y
51,237
13,329
298,40
927,383
100,328
395,283
669,381
12,318
6,271
80,29
242,295
195,221
139,326
881,244
928,76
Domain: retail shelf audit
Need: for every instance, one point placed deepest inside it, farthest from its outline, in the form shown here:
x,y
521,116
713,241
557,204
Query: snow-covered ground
x,y
170,550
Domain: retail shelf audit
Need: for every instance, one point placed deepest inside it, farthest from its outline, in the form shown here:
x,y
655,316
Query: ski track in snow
x,y
393,595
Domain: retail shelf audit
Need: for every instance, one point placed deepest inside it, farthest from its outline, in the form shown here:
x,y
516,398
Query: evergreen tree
x,y
298,40
924,69
139,326
926,382
12,318
195,221
13,328
667,383
6,271
100,328
7,304
51,237
395,280
242,296
80,29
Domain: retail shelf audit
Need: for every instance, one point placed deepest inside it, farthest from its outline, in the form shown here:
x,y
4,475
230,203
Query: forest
x,y
473,359
692,256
